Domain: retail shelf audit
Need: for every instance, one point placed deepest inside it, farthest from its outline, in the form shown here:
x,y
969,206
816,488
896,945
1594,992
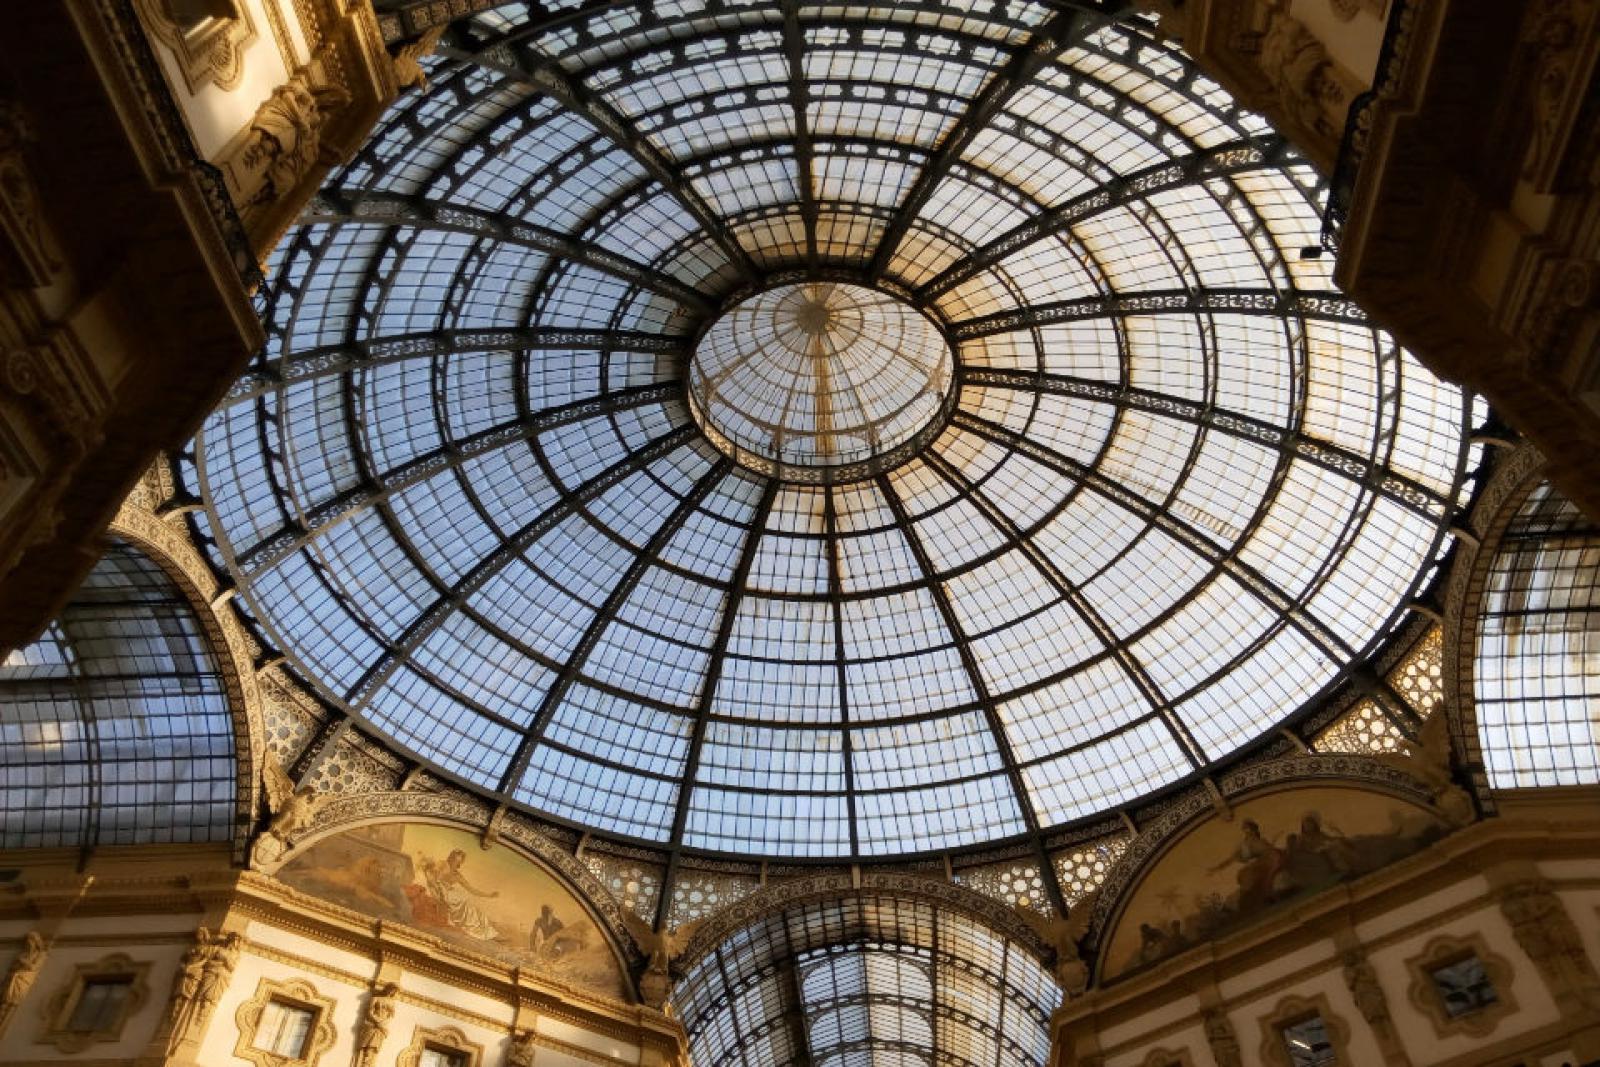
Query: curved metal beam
x,y
1064,588
1265,590
328,360
794,45
702,710
521,62
603,618
1050,40
1233,157
324,516
1365,470
952,622
1321,306
336,208
430,620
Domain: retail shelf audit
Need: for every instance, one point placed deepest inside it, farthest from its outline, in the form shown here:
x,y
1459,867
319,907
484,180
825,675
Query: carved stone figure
x,y
1063,934
658,946
20,976
1427,759
374,1029
1545,931
292,811
407,59
1223,1041
1362,981
1308,83
186,988
201,980
286,136
520,1052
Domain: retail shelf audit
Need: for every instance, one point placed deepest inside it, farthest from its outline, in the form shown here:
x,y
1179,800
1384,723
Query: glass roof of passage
x,y
872,981
1183,486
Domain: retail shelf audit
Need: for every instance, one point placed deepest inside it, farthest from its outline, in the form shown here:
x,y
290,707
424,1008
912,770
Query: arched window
x,y
1538,665
114,725
872,979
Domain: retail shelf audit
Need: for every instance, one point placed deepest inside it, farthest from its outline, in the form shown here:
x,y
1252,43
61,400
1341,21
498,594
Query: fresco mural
x,y
437,879
1277,848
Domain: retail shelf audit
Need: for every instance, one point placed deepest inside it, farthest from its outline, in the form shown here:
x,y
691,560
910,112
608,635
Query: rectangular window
x,y
1464,986
1307,1043
285,1028
433,1056
99,1006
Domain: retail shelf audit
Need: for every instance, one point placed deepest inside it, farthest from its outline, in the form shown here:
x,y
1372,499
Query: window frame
x,y
63,1004
296,993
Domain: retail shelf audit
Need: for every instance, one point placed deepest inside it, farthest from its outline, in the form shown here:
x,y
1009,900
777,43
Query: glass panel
x,y
442,1057
1464,986
99,1007
284,1028
115,726
1307,1043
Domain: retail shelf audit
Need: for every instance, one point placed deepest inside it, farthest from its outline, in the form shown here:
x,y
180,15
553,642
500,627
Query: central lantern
x,y
821,381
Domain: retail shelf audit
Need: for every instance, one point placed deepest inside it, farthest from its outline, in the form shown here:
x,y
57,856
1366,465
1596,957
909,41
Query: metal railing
x,y
1358,124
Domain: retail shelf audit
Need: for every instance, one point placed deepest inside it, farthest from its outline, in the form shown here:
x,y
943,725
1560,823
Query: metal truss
x,y
969,663
1324,307
1054,37
396,209
324,515
1064,588
1363,470
398,652
615,598
708,691
547,77
1191,537
329,360
1233,157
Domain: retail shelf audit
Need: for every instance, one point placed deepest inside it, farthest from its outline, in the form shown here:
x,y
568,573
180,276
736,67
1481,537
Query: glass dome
x,y
1132,488
820,381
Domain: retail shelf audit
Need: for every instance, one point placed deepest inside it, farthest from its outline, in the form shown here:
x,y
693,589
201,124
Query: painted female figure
x,y
450,887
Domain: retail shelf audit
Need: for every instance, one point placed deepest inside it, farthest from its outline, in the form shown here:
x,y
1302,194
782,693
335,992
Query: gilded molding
x,y
1515,475
167,544
445,1037
58,1010
303,994
209,52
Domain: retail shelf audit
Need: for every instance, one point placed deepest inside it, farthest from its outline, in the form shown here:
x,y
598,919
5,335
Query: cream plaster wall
x,y
610,1047
222,1032
1390,937
20,1042
215,116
